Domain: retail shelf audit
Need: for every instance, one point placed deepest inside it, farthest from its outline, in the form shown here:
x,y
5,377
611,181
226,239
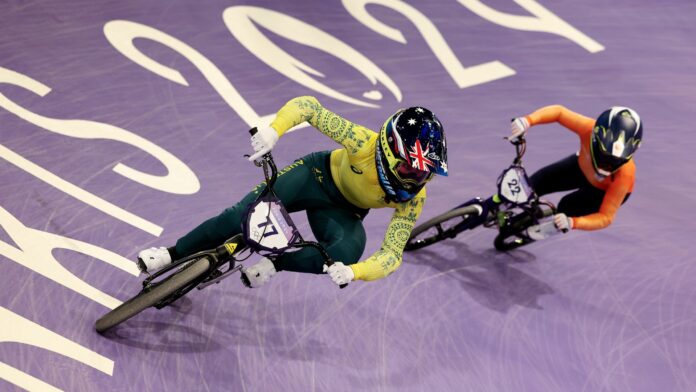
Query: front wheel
x,y
156,293
446,225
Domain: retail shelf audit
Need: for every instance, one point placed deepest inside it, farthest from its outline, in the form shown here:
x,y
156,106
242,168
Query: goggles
x,y
605,164
409,175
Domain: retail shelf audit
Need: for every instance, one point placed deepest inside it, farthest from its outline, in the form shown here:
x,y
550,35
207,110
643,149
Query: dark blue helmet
x,y
411,149
616,137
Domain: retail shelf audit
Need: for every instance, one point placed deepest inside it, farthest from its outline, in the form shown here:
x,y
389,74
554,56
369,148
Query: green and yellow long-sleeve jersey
x,y
354,172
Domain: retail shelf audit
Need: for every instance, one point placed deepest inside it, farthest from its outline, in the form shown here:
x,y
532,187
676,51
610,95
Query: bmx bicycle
x,y
512,210
266,230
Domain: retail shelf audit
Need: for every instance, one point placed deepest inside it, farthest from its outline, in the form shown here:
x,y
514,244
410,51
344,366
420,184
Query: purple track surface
x,y
587,311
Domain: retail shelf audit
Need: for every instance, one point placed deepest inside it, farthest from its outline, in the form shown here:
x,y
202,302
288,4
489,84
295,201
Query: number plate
x,y
513,185
269,227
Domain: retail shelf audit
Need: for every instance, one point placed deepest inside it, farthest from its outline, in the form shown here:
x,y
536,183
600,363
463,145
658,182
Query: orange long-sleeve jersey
x,y
616,186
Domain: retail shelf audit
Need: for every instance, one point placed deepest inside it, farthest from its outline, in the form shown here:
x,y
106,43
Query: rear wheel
x,y
446,225
156,293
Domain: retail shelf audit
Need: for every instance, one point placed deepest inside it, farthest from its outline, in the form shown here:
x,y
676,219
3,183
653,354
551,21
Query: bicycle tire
x,y
144,300
464,213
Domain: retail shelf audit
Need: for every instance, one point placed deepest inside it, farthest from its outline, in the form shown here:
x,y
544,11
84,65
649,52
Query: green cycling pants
x,y
306,185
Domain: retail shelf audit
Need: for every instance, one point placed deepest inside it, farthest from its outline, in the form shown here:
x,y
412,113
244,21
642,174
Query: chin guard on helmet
x,y
395,193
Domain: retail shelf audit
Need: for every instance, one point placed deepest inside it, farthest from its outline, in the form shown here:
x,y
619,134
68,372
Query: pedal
x,y
220,277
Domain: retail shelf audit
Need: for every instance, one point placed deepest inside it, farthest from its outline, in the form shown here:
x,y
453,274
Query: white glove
x,y
562,222
340,273
518,126
258,274
263,141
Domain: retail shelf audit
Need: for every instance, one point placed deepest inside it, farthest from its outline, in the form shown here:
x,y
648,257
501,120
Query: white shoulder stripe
x,y
400,145
614,111
618,109
635,117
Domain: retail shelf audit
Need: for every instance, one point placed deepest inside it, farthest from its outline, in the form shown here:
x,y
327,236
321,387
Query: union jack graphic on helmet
x,y
419,158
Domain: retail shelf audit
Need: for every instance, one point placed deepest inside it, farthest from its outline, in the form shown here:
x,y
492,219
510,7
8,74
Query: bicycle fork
x,y
224,252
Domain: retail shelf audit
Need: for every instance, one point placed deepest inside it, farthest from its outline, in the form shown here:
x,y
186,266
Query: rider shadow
x,y
185,327
152,331
269,326
489,277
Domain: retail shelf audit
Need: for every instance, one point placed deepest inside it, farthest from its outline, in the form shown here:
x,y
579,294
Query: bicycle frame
x,y
267,230
514,192
267,217
514,208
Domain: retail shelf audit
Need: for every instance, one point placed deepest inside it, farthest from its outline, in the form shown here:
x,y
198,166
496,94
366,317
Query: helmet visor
x,y
409,175
606,164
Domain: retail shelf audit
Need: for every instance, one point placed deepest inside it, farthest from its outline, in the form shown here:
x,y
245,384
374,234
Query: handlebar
x,y
520,147
266,161
327,259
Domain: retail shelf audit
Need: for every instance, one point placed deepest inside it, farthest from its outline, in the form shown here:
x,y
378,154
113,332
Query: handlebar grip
x,y
253,131
329,263
519,139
